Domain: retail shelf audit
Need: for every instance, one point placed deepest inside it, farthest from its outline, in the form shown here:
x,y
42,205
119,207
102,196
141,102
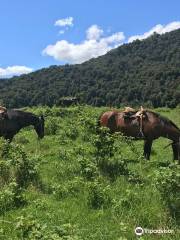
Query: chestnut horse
x,y
151,127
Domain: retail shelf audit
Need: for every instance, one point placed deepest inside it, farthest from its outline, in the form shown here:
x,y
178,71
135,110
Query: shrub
x,y
104,144
23,167
51,126
4,172
72,187
72,132
11,196
88,168
113,167
16,164
135,178
99,195
22,140
65,154
109,160
17,170
29,228
168,183
88,121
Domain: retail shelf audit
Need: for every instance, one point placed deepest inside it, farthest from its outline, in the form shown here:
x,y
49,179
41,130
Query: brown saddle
x,y
129,113
132,113
140,115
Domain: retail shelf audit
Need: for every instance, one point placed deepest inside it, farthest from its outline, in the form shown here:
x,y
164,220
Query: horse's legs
x,y
147,148
176,152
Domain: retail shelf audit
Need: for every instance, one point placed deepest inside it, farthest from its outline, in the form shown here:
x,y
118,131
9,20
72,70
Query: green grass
x,y
58,206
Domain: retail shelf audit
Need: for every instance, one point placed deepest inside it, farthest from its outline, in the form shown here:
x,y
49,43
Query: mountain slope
x,y
142,72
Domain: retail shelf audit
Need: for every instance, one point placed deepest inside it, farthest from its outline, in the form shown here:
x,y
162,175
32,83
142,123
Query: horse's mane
x,y
165,119
18,112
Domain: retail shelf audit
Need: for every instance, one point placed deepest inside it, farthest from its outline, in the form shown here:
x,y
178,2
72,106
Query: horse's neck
x,y
27,121
167,129
172,133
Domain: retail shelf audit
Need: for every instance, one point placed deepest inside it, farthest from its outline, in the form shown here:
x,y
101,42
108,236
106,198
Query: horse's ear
x,y
41,118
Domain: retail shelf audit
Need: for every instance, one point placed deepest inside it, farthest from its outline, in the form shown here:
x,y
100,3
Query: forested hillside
x,y
143,72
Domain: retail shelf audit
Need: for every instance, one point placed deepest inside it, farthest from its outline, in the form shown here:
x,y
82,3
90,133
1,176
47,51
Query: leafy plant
x,y
88,168
168,183
99,195
70,188
29,228
11,196
104,143
52,126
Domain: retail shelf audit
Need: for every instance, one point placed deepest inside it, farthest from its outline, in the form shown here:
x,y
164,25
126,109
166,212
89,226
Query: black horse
x,y
12,121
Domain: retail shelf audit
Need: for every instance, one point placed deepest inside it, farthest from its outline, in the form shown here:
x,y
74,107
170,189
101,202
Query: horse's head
x,y
39,127
176,150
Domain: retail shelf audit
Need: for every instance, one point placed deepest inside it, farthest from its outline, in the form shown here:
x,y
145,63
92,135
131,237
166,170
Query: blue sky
x,y
29,37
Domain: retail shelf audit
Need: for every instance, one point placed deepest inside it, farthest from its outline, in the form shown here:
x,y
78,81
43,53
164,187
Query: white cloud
x,y
14,71
93,46
64,22
160,29
61,31
96,44
115,38
94,32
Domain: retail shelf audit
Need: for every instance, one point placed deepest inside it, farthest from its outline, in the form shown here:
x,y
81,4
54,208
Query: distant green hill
x,y
143,72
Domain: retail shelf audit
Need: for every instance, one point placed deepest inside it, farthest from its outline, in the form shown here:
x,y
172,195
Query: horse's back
x,y
116,122
16,114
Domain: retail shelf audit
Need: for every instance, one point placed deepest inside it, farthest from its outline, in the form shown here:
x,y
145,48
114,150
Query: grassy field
x,y
75,184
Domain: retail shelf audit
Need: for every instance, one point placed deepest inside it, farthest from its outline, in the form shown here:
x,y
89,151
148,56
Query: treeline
x,y
143,72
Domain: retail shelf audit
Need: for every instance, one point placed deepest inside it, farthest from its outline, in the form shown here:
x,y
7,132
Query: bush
x,y
21,167
72,132
17,170
99,195
104,143
71,188
22,140
4,172
11,196
88,168
168,183
109,160
135,178
16,164
52,126
29,228
113,167
64,154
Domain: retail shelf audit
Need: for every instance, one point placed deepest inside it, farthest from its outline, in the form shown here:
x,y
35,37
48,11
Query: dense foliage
x,y
142,72
78,183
